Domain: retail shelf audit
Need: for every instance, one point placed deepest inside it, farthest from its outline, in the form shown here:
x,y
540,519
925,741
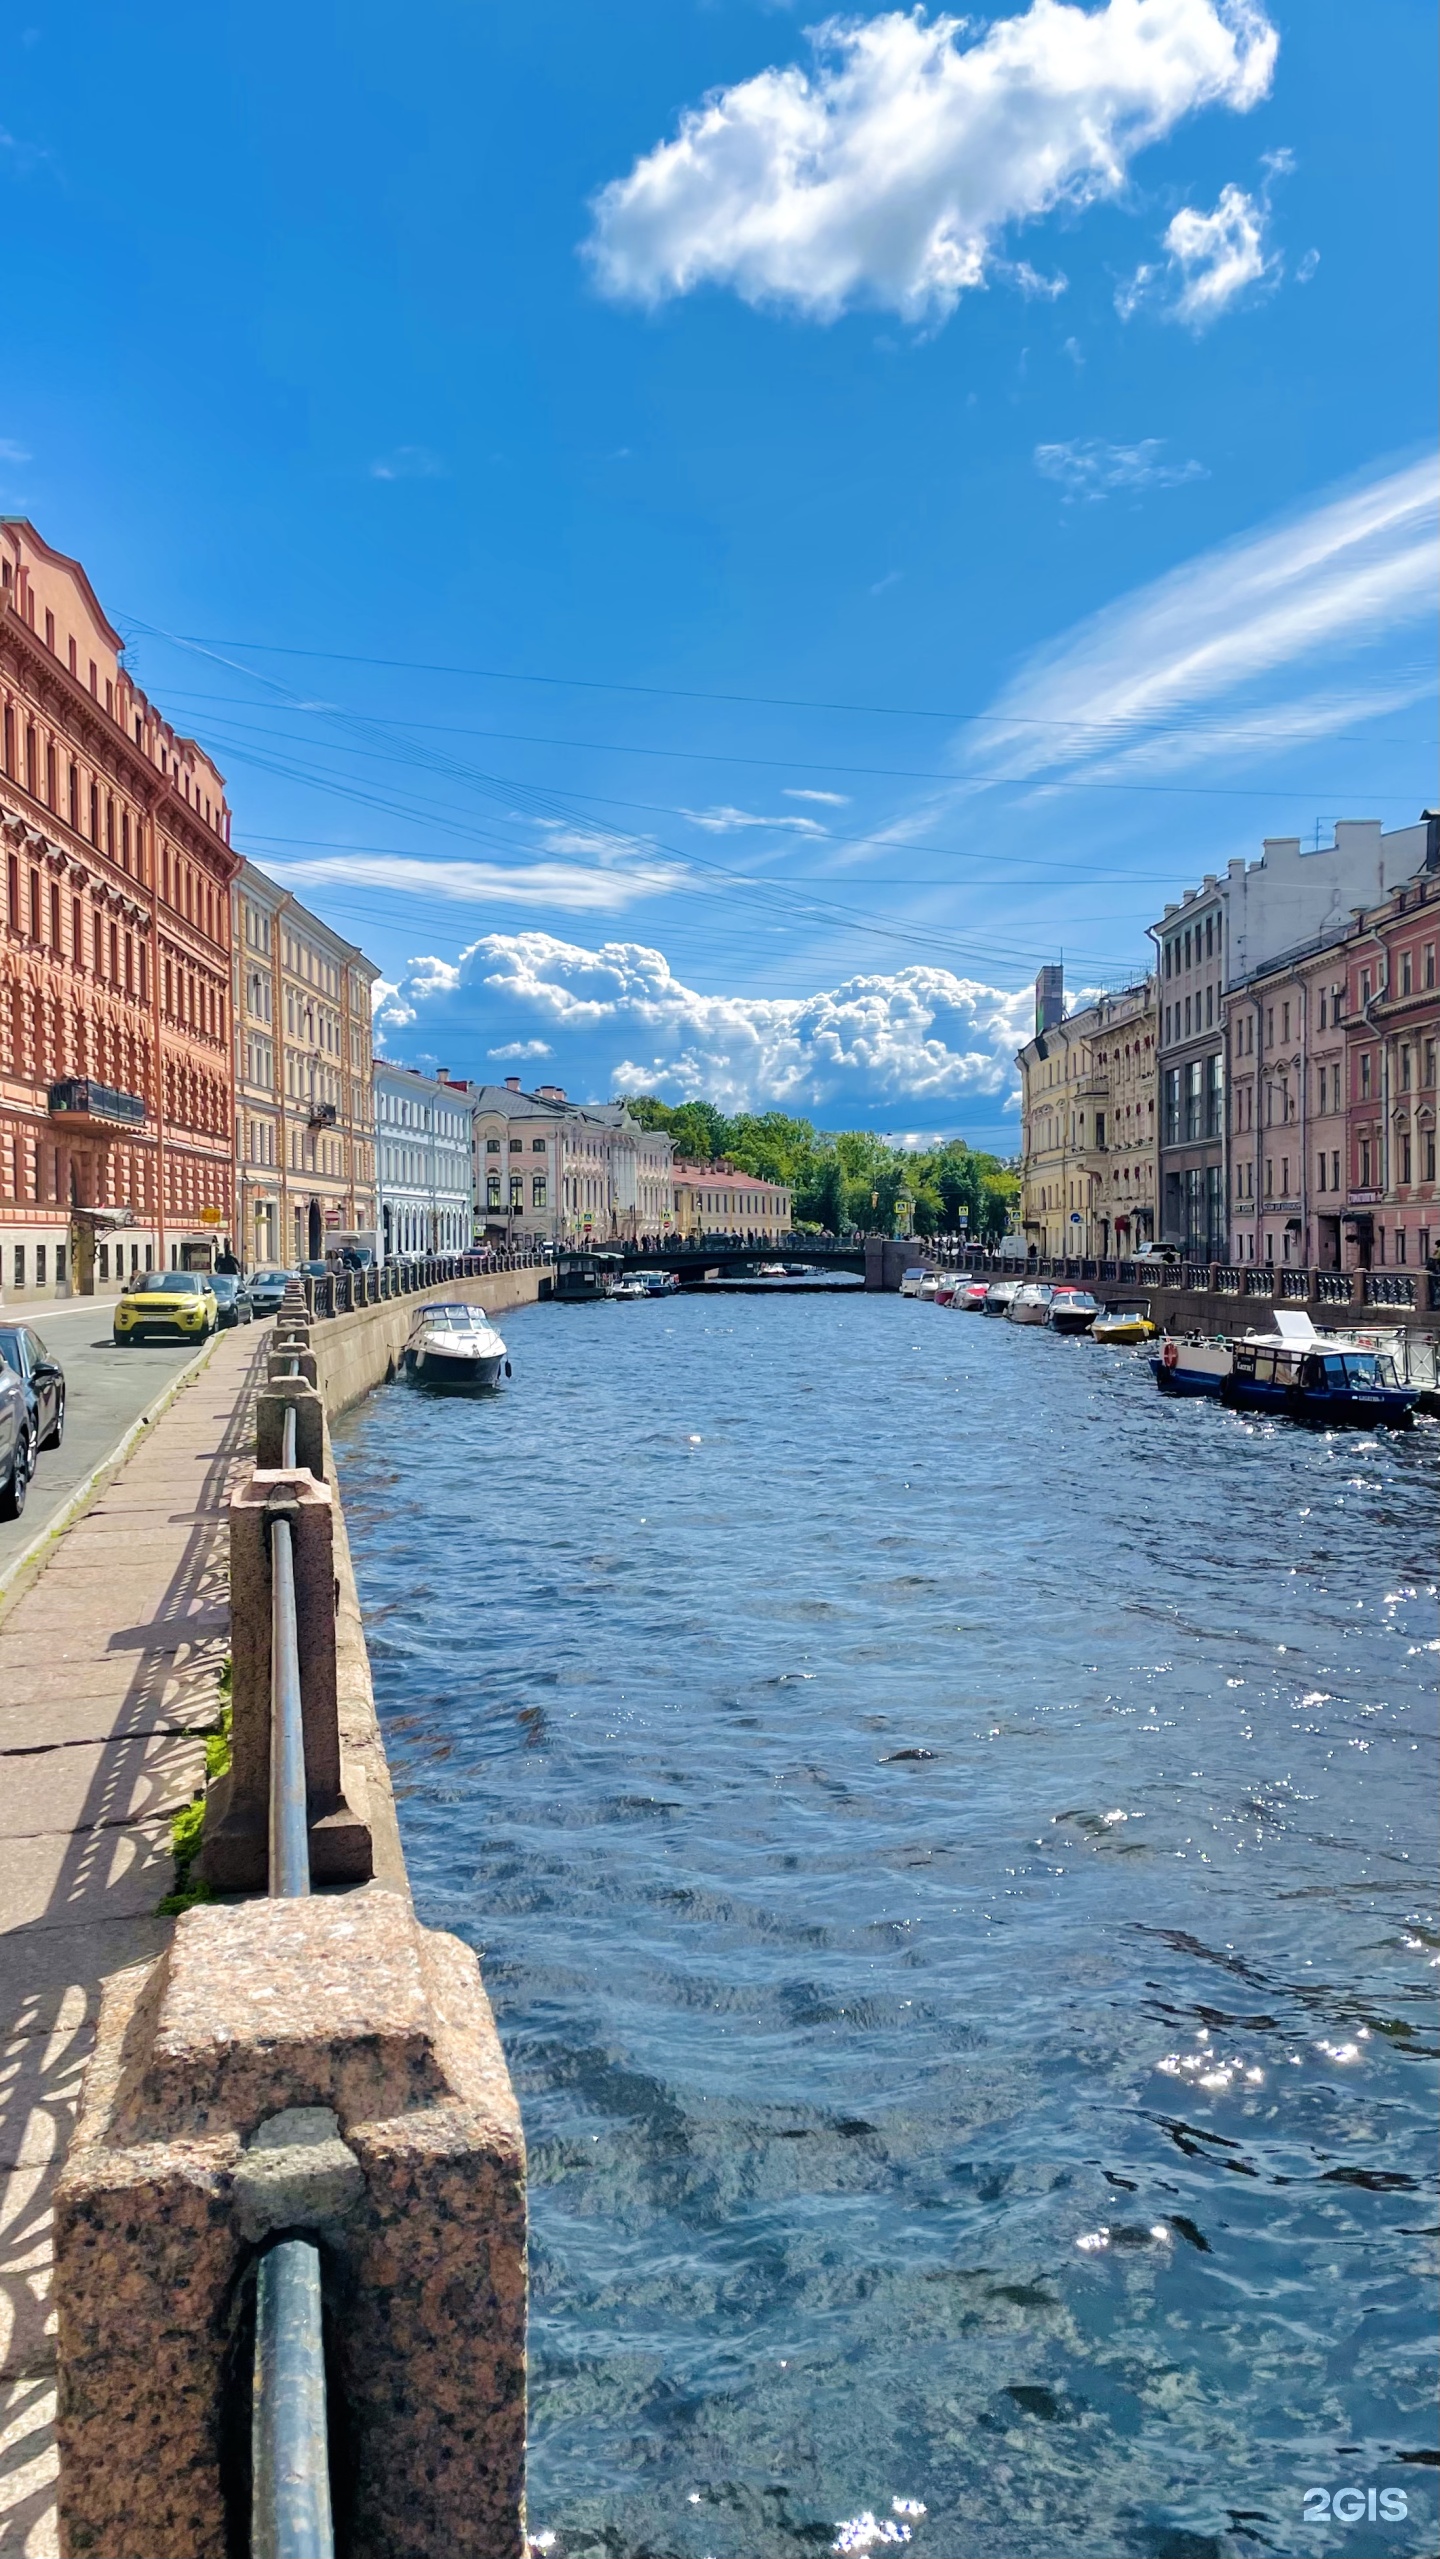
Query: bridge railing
x,y
1285,1283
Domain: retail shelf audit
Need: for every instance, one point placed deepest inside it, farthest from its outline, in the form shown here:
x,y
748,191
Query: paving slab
x,y
135,1777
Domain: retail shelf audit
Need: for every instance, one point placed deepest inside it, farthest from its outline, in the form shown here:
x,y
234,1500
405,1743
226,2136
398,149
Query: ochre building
x,y
304,1107
1087,1100
116,1091
715,1199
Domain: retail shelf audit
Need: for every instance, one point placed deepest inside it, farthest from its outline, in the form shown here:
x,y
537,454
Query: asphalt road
x,y
105,1391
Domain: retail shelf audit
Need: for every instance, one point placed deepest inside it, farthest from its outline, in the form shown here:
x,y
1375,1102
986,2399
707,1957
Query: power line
x,y
679,693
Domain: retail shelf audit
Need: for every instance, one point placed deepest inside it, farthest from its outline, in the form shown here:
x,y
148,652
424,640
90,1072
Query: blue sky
x,y
712,550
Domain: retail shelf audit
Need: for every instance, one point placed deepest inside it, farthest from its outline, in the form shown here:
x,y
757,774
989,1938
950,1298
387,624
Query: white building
x,y
567,1172
423,1154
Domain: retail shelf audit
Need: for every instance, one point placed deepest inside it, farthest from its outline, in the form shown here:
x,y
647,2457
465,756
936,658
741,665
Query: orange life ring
x,y
1170,1355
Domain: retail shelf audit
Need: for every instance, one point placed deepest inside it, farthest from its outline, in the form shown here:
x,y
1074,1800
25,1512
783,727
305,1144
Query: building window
x,y
1405,1157
1365,1075
1407,973
537,1191
1321,1184
19,1265
517,1190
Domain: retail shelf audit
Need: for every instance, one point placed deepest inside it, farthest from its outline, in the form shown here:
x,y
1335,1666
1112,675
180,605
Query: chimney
x,y
550,1092
442,1074
1050,996
512,1083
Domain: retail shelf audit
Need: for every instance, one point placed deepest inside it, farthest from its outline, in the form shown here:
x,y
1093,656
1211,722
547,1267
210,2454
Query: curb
x,y
32,1559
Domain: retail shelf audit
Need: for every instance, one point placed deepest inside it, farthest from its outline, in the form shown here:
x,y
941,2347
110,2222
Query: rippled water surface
x,y
949,1837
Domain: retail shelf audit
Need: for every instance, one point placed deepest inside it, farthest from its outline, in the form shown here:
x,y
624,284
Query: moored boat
x,y
912,1282
1359,1390
454,1346
999,1294
1072,1310
1128,1323
1031,1304
970,1296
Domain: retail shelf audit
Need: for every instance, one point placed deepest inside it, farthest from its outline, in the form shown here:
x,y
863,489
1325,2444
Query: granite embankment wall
x,y
322,2065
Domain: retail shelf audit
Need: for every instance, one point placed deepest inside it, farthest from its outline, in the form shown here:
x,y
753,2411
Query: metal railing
x,y
342,1292
290,2509
1290,1282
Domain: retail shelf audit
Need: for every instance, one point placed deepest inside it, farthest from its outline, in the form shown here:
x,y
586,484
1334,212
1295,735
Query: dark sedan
x,y
233,1299
17,1441
22,1349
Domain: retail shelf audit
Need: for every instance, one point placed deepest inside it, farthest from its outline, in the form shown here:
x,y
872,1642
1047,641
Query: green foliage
x,y
187,1829
847,1177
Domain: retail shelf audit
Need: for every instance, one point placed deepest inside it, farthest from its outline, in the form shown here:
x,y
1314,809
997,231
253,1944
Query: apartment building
x,y
116,1078
715,1199
424,1162
569,1172
1217,938
304,1103
1087,1094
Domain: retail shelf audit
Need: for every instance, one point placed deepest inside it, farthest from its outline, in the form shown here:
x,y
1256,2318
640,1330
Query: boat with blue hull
x,y
1357,1390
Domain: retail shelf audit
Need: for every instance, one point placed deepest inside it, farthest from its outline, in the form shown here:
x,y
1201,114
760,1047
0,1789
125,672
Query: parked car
x,y
167,1306
22,1349
267,1290
315,1270
233,1300
353,1257
17,1441
1156,1253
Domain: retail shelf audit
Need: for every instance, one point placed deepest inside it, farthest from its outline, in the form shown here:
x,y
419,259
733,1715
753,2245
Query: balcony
x,y
322,1115
98,1109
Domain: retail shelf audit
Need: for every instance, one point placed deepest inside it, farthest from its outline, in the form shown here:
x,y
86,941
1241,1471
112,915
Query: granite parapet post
x,y
325,2066
235,1853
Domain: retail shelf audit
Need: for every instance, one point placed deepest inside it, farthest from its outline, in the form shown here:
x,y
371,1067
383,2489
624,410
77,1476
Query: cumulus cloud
x,y
1212,259
568,887
514,1049
889,171
1091,470
921,1036
727,821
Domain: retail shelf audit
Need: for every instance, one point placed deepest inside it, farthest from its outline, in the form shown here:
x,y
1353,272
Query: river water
x,y
949,1838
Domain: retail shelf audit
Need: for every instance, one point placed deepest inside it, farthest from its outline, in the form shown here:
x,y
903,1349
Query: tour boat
x,y
656,1283
1196,1365
1072,1310
1031,1304
999,1294
1325,1384
1123,1324
454,1346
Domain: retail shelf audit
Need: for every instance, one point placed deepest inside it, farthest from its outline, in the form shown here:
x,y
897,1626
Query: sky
x,y
713,542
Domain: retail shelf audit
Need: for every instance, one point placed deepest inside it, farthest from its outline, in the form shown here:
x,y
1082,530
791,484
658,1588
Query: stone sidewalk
x,y
109,1671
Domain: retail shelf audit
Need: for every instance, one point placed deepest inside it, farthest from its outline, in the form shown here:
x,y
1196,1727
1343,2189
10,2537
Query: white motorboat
x,y
628,1288
771,1270
912,1281
1031,1304
454,1346
998,1296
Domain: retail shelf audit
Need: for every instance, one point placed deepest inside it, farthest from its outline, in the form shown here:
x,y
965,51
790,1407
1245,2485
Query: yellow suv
x,y
166,1306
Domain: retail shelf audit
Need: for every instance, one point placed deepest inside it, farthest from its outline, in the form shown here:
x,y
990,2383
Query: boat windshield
x,y
1350,1369
1078,1299
453,1319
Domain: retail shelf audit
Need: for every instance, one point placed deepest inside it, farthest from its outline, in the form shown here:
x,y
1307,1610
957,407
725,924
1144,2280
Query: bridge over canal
x,y
878,1260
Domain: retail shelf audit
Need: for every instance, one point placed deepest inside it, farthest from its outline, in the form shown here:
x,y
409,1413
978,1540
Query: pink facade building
x,y
1331,1090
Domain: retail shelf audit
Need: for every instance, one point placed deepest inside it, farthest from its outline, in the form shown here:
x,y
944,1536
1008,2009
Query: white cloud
x,y
566,886
727,821
1212,259
1221,644
889,171
1088,469
920,1036
521,1048
10,452
408,462
827,799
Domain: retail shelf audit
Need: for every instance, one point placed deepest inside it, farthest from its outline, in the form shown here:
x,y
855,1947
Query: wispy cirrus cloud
x,y
728,821
1091,470
890,170
1242,650
827,799
408,462
564,887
